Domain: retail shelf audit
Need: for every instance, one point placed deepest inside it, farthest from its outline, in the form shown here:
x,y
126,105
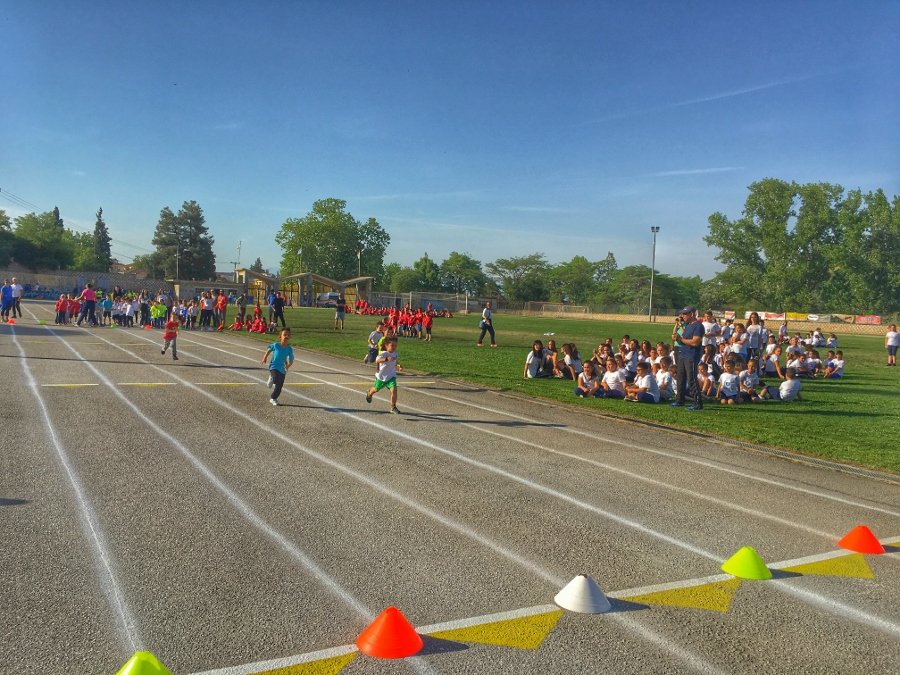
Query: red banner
x,y
870,320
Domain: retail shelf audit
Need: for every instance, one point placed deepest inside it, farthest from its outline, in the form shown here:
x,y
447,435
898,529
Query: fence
x,y
458,303
49,285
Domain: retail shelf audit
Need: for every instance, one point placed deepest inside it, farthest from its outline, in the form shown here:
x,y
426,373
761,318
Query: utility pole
x,y
654,230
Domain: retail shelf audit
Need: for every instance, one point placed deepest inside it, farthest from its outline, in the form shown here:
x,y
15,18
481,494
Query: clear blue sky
x,y
492,128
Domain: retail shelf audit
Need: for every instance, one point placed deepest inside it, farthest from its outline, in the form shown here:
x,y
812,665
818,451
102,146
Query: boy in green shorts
x,y
386,368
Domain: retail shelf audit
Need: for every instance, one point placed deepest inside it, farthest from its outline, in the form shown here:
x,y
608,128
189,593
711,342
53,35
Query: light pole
x,y
359,263
654,230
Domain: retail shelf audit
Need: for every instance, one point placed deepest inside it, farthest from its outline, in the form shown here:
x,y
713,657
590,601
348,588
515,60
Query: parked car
x,y
327,300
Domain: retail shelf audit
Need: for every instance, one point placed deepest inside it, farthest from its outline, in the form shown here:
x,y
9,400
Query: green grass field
x,y
850,420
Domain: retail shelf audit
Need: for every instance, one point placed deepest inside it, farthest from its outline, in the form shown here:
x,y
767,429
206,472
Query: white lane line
x,y
329,582
524,612
490,468
822,601
661,484
694,661
103,563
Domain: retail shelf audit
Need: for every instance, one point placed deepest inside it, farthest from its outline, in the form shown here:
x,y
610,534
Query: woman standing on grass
x,y
487,325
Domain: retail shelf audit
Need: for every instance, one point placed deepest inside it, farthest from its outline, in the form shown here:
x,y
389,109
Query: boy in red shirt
x,y
170,337
237,325
427,320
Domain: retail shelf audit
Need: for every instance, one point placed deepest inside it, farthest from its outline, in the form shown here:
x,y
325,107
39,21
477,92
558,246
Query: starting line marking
x,y
261,667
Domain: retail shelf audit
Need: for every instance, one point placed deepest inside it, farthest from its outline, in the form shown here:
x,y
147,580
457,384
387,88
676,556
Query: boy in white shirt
x,y
891,344
789,390
711,330
728,385
645,389
386,373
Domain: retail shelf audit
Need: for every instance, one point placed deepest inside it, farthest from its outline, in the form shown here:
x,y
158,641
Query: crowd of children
x,y
734,358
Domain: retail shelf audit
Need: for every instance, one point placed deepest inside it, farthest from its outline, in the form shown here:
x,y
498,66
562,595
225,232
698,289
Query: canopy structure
x,y
302,288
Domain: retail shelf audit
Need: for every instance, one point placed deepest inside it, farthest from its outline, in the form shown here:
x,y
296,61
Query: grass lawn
x,y
851,420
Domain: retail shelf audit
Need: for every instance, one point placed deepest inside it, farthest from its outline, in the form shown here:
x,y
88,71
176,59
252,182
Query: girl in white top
x,y
588,382
711,330
892,343
572,361
664,378
728,385
739,341
613,382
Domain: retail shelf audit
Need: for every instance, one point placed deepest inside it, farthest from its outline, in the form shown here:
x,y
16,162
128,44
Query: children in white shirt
x,y
728,385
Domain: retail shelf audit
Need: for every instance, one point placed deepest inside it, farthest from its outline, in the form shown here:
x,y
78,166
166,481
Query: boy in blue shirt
x,y
282,359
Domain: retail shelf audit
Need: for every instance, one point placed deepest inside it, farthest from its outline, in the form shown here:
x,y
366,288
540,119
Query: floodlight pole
x,y
654,229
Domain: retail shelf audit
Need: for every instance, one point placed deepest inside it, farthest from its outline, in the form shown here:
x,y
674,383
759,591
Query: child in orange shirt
x,y
237,325
170,337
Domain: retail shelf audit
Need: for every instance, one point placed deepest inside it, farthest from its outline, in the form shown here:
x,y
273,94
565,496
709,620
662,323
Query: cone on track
x,y
861,540
41,322
147,326
144,663
746,564
389,636
583,595
11,322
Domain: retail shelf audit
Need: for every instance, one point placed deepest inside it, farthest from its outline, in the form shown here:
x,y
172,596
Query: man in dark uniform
x,y
687,336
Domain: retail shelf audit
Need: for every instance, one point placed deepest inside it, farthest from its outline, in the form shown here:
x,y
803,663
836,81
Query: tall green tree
x,y
5,222
83,258
257,266
521,278
429,273
809,248
101,244
48,245
573,281
331,242
461,273
183,244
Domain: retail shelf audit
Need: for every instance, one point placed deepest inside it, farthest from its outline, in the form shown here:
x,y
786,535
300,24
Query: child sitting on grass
x,y
789,390
728,385
645,389
238,324
835,367
588,382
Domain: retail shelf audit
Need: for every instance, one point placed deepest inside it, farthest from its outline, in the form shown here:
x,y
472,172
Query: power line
x,y
18,201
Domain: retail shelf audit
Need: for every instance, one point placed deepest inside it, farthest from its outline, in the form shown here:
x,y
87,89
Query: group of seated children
x,y
255,325
640,372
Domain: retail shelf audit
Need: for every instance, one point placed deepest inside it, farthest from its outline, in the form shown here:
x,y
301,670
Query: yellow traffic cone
x,y
144,663
747,564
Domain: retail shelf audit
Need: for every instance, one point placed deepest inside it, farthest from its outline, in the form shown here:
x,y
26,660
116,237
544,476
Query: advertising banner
x,y
868,320
796,316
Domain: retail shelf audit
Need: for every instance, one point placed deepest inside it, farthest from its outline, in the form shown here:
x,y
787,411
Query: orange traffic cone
x,y
389,636
861,540
147,326
11,321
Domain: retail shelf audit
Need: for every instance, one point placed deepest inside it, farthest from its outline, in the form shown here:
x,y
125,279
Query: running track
x,y
147,504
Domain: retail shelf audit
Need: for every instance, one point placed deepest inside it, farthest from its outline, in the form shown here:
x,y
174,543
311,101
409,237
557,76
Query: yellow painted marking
x,y
147,384
94,384
226,384
527,632
715,596
331,666
852,565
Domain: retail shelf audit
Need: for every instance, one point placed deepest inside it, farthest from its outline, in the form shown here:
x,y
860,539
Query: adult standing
x,y
6,300
241,304
687,336
278,309
891,343
88,299
487,325
17,291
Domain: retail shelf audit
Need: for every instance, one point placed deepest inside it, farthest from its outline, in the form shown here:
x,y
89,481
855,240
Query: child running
x,y
282,360
170,337
386,368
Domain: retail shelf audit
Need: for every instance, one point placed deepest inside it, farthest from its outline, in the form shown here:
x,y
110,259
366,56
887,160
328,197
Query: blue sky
x,y
496,129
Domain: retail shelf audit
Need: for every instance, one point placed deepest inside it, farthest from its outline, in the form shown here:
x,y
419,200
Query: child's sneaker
x,y
368,397
162,351
273,401
174,358
394,411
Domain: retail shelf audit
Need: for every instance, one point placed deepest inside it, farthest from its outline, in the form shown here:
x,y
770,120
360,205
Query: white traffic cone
x,y
583,595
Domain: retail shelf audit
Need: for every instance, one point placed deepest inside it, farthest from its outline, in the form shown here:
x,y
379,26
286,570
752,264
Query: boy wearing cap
x,y
687,336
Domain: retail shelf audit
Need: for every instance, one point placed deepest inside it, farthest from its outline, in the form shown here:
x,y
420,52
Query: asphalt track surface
x,y
149,504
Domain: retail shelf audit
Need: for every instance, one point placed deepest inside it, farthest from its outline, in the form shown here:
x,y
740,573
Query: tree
x,y
573,281
429,273
810,248
521,278
50,245
387,276
257,266
101,244
83,258
406,279
183,244
5,223
460,273
329,239
149,263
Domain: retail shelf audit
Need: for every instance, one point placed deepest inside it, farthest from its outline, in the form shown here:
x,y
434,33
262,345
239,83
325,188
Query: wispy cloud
x,y
458,194
541,209
693,172
731,93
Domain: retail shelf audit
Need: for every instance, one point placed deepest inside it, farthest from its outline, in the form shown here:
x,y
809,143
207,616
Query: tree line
x,y
42,241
